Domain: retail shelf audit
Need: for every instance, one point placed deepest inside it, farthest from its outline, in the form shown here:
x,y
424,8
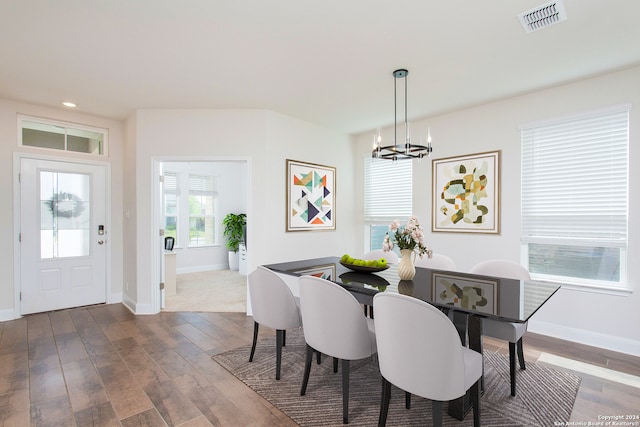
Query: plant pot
x,y
234,260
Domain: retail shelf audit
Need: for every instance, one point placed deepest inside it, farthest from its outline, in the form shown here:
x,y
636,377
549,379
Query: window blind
x,y
388,190
170,184
203,184
574,180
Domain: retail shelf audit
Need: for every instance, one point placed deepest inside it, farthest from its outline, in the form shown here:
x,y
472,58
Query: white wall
x,y
604,320
9,111
264,140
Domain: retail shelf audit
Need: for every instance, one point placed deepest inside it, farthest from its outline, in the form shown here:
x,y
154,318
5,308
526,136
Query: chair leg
x,y
407,400
255,340
384,404
365,310
436,413
345,391
318,357
512,367
475,401
284,337
307,370
521,354
279,343
335,365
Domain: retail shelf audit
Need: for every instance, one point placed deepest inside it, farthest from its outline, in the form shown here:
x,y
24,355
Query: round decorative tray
x,y
363,268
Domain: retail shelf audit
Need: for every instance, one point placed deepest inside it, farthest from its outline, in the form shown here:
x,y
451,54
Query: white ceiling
x,y
329,62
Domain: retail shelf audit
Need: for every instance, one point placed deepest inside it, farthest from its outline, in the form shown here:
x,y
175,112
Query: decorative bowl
x,y
363,268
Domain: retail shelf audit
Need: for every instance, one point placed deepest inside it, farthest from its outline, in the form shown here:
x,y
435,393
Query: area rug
x,y
544,396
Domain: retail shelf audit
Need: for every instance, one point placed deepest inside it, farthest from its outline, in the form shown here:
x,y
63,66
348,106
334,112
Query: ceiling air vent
x,y
543,16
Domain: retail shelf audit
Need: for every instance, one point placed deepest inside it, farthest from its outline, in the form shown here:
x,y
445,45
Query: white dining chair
x,y
437,262
273,306
419,351
507,331
391,257
334,325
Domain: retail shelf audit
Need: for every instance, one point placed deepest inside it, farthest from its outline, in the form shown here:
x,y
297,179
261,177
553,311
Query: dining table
x,y
466,298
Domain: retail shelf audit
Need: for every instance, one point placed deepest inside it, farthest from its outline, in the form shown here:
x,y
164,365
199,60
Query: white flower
x,y
410,237
387,245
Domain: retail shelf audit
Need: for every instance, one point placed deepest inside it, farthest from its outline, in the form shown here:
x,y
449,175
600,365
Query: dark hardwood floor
x,y
103,366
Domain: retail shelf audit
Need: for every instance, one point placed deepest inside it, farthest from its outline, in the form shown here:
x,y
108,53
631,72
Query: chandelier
x,y
406,150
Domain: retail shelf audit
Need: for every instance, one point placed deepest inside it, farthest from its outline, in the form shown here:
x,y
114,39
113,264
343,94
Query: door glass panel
x,y
65,214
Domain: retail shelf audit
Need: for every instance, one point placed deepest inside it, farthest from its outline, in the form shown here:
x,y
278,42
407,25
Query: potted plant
x,y
234,232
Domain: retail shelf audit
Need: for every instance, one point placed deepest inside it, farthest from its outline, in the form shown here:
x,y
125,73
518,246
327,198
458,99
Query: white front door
x,y
63,235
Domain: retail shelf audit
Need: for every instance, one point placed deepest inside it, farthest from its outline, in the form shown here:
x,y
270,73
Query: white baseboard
x,y
594,339
201,268
129,303
144,309
115,298
9,314
138,308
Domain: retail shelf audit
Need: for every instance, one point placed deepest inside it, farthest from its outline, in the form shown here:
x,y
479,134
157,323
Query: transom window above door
x,y
60,136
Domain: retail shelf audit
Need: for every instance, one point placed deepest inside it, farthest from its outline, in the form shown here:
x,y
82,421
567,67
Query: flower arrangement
x,y
409,236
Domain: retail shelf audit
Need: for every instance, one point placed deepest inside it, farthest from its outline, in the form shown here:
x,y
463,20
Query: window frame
x,y
617,239
402,181
66,126
166,190
214,207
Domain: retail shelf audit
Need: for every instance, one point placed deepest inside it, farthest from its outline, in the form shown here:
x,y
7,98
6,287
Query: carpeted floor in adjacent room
x,y
212,291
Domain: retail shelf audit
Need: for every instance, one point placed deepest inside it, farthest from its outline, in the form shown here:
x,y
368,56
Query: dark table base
x,y
470,329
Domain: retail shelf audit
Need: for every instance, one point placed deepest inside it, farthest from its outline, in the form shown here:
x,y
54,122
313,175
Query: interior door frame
x,y
17,223
157,216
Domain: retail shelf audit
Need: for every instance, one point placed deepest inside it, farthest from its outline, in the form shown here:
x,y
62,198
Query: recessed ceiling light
x,y
69,104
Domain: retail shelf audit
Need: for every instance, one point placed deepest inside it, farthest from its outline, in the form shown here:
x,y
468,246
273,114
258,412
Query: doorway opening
x,y
194,197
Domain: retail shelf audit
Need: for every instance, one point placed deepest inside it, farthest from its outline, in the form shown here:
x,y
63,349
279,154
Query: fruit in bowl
x,y
368,265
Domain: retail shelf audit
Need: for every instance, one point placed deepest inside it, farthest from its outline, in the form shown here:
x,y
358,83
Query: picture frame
x,y
465,292
327,272
311,196
466,193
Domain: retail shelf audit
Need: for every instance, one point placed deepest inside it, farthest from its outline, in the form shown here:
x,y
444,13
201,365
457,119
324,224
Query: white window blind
x,y
203,184
574,194
170,184
388,190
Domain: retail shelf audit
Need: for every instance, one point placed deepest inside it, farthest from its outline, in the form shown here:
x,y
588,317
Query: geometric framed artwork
x,y
466,193
465,292
311,196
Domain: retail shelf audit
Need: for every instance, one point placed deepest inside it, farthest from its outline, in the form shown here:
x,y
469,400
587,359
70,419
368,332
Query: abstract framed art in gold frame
x,y
466,193
311,196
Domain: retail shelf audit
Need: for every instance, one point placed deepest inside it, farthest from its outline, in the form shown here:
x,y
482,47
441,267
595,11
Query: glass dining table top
x,y
488,296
